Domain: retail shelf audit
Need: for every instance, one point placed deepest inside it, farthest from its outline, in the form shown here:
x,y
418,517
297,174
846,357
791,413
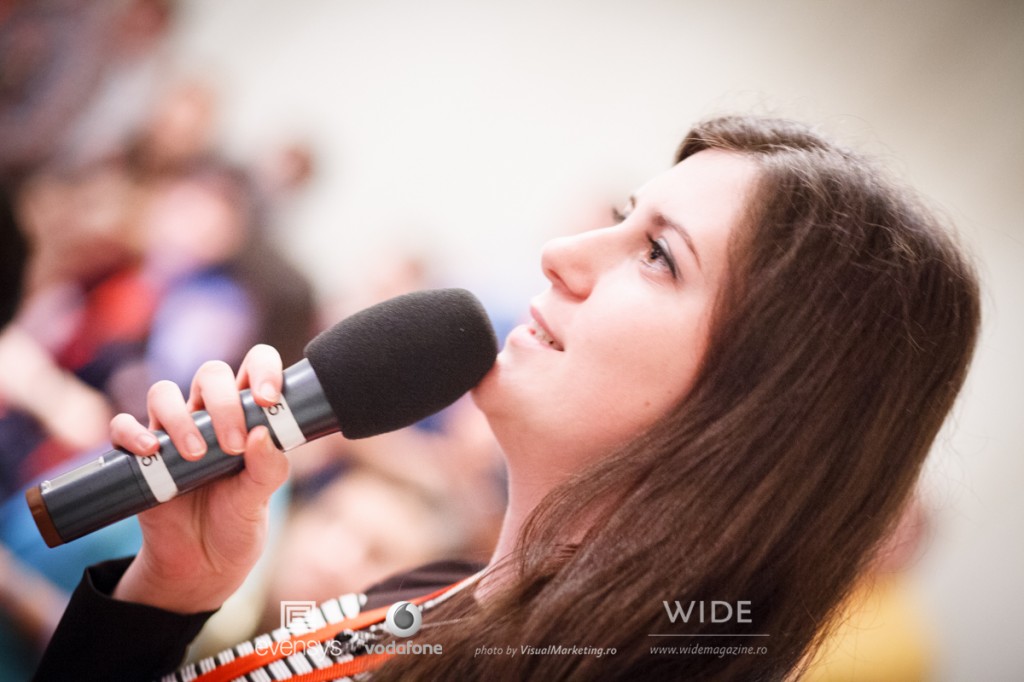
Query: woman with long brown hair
x,y
721,402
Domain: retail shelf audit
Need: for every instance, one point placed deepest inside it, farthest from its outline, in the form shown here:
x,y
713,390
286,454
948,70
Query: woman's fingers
x,y
128,433
168,411
266,468
263,372
214,389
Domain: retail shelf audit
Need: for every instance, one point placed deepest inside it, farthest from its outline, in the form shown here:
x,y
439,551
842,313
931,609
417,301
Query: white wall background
x,y
472,130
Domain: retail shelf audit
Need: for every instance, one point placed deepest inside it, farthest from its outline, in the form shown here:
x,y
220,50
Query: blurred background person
x,y
138,260
82,229
882,633
78,77
144,242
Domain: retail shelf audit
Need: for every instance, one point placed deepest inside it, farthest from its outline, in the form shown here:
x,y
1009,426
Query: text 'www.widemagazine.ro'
x,y
706,650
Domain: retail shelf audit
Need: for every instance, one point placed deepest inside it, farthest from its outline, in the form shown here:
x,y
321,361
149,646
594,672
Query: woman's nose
x,y
574,264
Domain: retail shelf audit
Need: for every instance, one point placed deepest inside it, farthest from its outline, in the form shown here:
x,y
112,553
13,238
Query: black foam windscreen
x,y
392,364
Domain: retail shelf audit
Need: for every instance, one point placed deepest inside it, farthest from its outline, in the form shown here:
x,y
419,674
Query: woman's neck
x,y
516,513
534,469
525,489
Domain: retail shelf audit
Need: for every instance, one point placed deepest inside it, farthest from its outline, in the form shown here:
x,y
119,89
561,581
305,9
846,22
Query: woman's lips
x,y
538,327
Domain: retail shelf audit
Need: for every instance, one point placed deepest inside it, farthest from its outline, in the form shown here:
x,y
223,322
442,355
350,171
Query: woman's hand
x,y
198,548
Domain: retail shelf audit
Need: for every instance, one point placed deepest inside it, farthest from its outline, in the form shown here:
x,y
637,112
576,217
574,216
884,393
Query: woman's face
x,y
615,341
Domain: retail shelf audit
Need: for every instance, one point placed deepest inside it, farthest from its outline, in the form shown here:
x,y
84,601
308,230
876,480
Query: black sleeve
x,y
101,638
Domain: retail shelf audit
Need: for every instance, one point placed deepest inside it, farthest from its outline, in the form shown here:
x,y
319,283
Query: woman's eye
x,y
617,215
658,252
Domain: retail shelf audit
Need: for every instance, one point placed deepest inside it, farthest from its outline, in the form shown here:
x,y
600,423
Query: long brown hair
x,y
838,346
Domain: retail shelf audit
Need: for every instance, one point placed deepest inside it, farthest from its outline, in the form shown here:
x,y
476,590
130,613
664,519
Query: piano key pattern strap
x,y
329,643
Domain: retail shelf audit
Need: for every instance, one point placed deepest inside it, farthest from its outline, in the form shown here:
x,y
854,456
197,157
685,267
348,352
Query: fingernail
x,y
195,445
268,392
236,441
146,441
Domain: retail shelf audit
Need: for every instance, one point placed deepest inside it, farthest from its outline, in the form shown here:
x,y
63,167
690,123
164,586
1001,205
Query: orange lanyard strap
x,y
360,664
297,643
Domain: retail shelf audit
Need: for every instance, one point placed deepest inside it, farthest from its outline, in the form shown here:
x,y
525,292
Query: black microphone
x,y
381,369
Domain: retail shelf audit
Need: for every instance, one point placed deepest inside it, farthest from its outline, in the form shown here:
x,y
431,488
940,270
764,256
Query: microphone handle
x,y
119,484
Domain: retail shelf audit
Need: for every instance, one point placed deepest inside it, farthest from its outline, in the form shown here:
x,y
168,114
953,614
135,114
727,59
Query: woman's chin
x,y
483,394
